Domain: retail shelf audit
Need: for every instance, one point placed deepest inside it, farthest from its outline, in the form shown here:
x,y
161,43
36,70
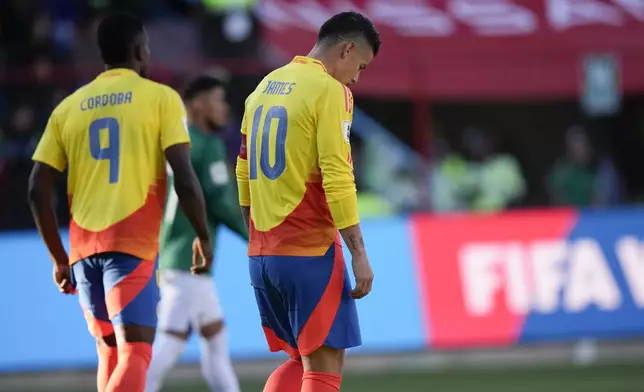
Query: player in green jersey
x,y
189,302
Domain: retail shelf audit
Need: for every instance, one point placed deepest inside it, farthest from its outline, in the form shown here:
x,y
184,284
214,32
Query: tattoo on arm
x,y
356,243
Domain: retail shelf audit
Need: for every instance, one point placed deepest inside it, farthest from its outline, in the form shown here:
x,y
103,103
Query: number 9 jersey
x,y
294,169
111,135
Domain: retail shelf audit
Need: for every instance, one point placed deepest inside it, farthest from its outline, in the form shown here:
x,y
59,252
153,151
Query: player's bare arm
x,y
334,153
246,215
362,271
41,184
356,243
191,199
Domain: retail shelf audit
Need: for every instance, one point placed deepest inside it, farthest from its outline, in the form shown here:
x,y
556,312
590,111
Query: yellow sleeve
x,y
334,152
50,150
241,170
174,123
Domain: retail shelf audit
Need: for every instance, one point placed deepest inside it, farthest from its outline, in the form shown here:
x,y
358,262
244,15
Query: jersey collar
x,y
117,72
308,60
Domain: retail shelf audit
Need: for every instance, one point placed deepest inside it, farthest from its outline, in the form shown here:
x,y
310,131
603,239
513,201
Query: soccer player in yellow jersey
x,y
114,135
296,189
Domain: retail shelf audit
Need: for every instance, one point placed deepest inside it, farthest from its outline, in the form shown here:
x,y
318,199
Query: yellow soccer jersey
x,y
110,135
294,169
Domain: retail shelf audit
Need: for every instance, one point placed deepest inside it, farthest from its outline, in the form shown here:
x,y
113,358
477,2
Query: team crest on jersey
x,y
346,130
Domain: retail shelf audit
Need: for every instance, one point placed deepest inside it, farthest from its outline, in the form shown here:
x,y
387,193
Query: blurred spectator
x,y
580,178
448,179
608,186
20,133
572,179
17,23
229,29
85,51
495,181
405,197
370,204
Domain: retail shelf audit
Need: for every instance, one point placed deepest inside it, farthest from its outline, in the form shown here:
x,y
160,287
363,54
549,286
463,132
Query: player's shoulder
x,y
160,90
71,101
335,93
252,98
320,85
333,88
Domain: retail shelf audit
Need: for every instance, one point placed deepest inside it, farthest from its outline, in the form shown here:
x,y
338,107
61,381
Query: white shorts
x,y
187,301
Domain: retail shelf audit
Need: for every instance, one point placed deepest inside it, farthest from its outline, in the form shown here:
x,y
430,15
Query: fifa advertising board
x,y
498,280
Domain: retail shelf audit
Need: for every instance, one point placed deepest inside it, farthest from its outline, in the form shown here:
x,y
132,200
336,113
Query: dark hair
x,y
116,35
350,24
199,85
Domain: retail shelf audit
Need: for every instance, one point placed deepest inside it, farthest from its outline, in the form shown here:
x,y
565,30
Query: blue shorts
x,y
116,288
305,303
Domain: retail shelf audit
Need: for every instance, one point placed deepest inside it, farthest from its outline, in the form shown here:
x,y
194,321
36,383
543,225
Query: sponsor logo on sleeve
x,y
346,130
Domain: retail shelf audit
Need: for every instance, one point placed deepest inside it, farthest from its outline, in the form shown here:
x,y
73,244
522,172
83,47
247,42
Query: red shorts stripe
x,y
275,344
97,328
317,327
129,287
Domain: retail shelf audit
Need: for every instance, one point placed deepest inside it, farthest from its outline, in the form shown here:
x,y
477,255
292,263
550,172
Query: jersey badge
x,y
346,130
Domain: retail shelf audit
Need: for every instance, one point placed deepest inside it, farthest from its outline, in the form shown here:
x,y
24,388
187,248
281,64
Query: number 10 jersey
x,y
110,135
294,169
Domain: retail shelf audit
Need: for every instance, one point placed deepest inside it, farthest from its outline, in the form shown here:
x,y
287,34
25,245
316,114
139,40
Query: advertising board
x,y
441,282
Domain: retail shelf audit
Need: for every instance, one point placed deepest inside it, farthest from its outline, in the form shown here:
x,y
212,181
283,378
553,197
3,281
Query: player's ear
x,y
138,52
347,47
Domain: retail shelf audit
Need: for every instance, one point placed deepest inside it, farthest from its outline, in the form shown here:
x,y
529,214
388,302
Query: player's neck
x,y
129,66
203,126
318,54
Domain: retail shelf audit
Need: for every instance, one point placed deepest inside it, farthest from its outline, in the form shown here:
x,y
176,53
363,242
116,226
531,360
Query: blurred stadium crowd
x,y
47,50
477,162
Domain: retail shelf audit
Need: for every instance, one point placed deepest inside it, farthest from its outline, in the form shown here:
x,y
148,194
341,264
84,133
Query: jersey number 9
x,y
271,172
110,153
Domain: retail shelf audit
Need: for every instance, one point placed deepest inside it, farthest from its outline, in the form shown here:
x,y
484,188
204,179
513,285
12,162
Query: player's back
x,y
289,211
111,133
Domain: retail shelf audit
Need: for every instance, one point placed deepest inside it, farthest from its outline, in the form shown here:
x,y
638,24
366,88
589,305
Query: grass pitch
x,y
601,378
614,378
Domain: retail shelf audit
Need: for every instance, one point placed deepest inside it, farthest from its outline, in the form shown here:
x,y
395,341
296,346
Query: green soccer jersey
x,y
209,162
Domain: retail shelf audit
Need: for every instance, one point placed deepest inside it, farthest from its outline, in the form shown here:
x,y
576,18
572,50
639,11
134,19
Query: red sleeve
x,y
242,148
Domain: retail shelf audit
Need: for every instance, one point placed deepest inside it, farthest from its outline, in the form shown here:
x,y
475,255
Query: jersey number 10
x,y
271,172
110,153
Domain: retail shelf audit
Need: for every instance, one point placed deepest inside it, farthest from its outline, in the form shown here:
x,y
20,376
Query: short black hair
x,y
350,24
200,84
116,35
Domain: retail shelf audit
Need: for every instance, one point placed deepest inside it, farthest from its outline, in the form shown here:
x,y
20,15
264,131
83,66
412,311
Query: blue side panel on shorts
x,y
345,331
272,306
87,277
